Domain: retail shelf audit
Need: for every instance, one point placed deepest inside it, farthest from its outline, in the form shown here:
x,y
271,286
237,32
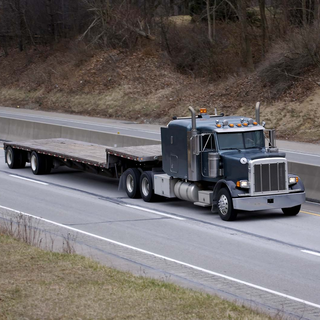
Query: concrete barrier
x,y
19,130
310,175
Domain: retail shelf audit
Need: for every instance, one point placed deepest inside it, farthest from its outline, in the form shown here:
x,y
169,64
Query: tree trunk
x,y
214,21
209,21
316,11
20,25
264,25
304,12
246,52
286,17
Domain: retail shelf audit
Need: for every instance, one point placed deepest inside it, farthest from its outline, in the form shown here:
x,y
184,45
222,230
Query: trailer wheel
x,y
146,187
132,182
38,163
225,206
15,158
293,211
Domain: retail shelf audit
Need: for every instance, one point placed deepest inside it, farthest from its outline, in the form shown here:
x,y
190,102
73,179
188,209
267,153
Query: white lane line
x,y
311,252
171,260
39,182
153,211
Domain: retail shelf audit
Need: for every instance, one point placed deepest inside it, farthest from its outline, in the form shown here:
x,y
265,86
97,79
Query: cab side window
x,y
207,142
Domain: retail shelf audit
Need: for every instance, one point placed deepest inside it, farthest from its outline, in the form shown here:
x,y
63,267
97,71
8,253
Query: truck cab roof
x,y
220,124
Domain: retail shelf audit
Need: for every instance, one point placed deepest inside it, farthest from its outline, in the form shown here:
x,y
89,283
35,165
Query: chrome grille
x,y
269,177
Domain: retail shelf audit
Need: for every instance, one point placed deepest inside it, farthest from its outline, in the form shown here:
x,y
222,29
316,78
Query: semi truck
x,y
227,163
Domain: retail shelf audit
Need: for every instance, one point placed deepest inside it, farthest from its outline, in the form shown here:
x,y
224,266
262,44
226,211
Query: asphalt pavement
x,y
263,259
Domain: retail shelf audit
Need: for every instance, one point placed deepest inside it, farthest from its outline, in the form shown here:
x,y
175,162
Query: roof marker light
x,y
203,110
239,125
245,124
218,125
231,125
255,123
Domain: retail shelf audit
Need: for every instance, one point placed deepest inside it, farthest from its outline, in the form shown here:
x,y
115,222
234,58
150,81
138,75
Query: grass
x,y
38,284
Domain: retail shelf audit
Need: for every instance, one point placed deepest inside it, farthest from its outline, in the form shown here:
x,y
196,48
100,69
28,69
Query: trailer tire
x,y
132,182
225,206
15,158
146,187
293,211
38,163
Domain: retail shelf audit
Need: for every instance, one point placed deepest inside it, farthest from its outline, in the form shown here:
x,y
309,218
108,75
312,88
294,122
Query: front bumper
x,y
280,201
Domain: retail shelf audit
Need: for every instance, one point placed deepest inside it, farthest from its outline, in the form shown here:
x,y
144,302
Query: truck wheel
x,y
132,182
225,207
15,158
38,163
146,187
293,211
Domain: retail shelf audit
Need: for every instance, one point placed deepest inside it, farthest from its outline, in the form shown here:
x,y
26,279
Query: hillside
x,y
144,86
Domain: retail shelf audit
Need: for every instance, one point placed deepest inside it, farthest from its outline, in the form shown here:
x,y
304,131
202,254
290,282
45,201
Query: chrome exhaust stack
x,y
194,150
258,112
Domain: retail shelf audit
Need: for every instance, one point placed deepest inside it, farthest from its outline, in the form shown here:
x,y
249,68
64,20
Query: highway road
x,y
265,260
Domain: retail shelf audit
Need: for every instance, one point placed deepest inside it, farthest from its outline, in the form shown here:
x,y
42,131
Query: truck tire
x,y
132,182
39,163
225,206
293,211
15,158
146,187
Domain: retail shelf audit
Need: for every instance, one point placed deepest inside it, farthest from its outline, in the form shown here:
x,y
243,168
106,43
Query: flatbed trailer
x,y
46,154
216,161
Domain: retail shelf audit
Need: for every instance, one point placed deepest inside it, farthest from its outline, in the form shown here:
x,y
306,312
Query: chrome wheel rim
x,y
9,157
130,183
223,204
33,163
145,186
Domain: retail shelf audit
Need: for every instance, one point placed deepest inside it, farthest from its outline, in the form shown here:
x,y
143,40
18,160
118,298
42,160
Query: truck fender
x,y
230,185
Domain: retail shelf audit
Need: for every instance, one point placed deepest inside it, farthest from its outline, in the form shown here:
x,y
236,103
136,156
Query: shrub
x,y
191,52
290,59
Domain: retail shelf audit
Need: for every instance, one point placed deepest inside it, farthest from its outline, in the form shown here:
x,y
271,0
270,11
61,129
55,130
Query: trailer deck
x,y
89,153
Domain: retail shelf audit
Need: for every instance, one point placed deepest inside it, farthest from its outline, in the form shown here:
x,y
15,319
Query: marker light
x,y
218,125
203,110
231,125
245,124
255,123
239,125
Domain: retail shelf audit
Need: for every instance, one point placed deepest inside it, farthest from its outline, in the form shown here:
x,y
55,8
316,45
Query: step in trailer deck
x,y
44,155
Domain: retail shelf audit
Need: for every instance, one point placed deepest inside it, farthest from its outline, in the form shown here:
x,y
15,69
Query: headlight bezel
x,y
243,184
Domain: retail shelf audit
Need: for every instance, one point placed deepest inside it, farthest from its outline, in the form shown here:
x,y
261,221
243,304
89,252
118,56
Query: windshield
x,y
241,140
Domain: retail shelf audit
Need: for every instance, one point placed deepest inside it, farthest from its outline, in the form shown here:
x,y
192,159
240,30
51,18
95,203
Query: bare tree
x,y
264,25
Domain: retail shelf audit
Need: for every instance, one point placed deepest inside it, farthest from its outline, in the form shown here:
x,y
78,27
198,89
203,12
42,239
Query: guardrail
x,y
310,175
18,130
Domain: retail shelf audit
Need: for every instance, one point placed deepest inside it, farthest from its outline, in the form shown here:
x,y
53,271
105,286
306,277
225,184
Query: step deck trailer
x,y
46,154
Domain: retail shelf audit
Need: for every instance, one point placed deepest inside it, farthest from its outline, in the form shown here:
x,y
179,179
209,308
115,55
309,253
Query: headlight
x,y
293,180
243,184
